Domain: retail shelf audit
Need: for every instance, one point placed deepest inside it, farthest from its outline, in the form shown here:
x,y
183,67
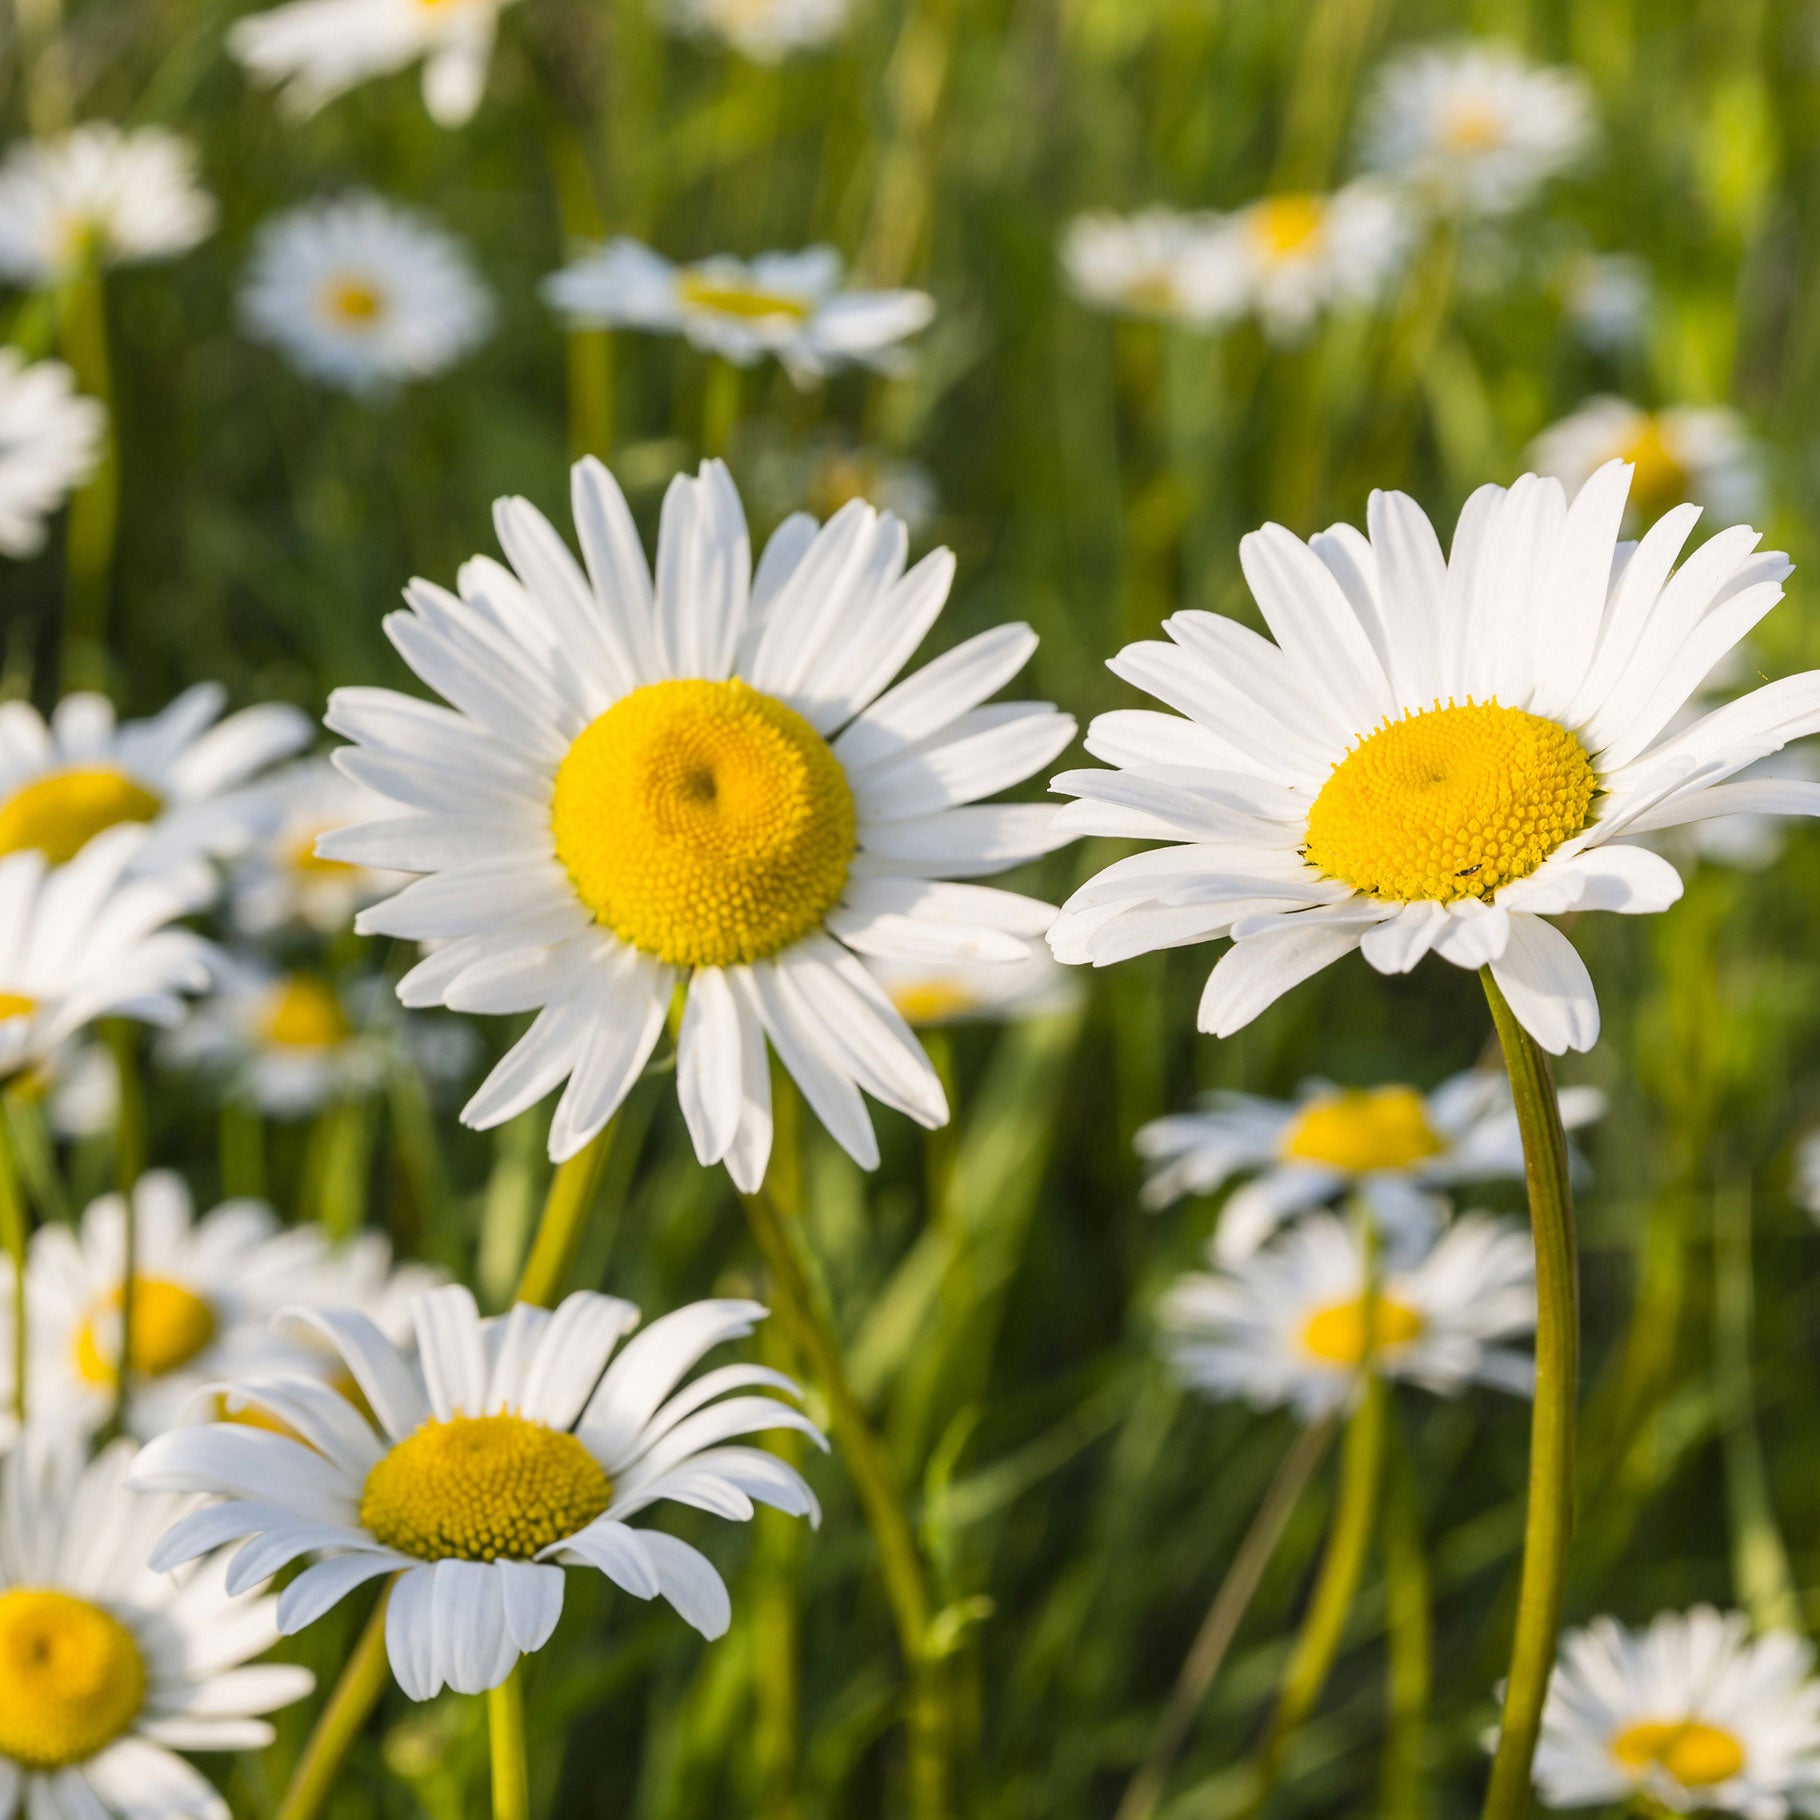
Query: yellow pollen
x,y
1336,1334
1695,1754
704,823
1283,226
1450,802
931,1001
354,302
1473,126
71,1678
1661,480
59,814
305,859
483,1488
725,297
171,1325
302,1012
1361,1130
16,1004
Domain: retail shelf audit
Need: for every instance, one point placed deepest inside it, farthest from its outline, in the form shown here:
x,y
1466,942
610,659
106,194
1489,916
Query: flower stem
x,y
356,1694
559,1226
1549,1524
129,1161
14,1232
95,510
506,1733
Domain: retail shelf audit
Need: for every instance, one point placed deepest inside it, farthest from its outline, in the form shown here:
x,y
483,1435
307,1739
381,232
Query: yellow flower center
x,y
1661,480
171,1325
353,303
302,1012
1283,226
59,814
1336,1335
1695,1754
71,1678
1472,126
704,823
1361,1130
727,297
931,1001
1450,802
305,859
16,1004
483,1488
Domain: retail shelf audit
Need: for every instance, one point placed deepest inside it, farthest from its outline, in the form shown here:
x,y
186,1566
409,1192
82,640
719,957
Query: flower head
x,y
767,31
928,994
1677,454
50,440
1159,263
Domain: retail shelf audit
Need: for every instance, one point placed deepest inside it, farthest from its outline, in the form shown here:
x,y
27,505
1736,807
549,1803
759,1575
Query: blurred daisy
x,y
1805,1184
498,1455
362,295
1435,753
361,1273
765,30
98,194
703,785
830,472
1159,263
64,781
1393,1146
204,1293
107,1668
1607,299
1689,1715
1476,127
316,50
1287,1325
50,439
89,940
791,305
928,994
1681,454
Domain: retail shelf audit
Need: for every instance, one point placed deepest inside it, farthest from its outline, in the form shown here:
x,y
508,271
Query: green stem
x,y
15,1231
356,1694
721,387
95,510
1224,1615
1549,1524
1408,1615
129,1162
506,1733
776,1625
559,1226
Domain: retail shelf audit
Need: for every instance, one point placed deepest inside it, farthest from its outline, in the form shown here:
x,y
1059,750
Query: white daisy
x,y
505,1451
1393,1146
791,305
929,994
64,781
1689,1715
1159,263
1680,454
50,440
765,30
1434,752
99,194
1607,299
706,784
362,294
107,1668
316,50
204,1292
1475,127
1287,1325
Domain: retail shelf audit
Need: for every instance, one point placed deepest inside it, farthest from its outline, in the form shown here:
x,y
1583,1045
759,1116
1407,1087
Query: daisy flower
x,y
791,305
703,784
101,194
767,31
362,295
830,471
1435,752
1287,1325
1475,127
107,1668
1159,263
1689,1715
930,994
1392,1146
315,50
503,1452
50,440
204,1292
1679,454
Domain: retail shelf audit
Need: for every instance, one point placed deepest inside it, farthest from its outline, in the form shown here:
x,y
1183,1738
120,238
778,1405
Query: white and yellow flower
x,y
1435,753
1288,1324
703,783
1690,1715
1159,263
50,440
767,31
929,994
1475,127
316,50
1680,454
109,1669
1394,1147
503,1452
363,295
98,195
789,305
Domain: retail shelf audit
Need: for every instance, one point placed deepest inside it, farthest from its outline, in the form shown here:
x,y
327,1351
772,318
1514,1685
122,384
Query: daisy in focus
x,y
362,295
767,31
1393,1147
928,994
50,440
703,783
316,50
1160,264
1475,128
1433,753
790,305
98,195
109,1669
1679,454
1288,1325
1689,1715
503,1452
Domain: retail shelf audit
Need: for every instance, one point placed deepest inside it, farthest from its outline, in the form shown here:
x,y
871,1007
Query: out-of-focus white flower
x,y
1684,453
931,993
50,439
1606,298
1160,264
827,473
765,30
